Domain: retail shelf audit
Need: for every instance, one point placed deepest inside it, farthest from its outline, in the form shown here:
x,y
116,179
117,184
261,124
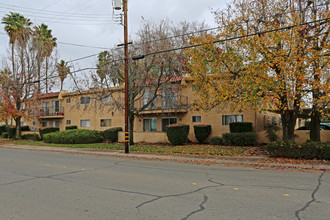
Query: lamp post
x,y
117,6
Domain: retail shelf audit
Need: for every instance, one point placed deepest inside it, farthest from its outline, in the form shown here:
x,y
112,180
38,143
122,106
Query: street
x,y
52,185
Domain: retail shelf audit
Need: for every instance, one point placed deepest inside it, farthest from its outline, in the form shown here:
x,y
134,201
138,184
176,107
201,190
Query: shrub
x,y
239,127
284,148
25,128
33,137
47,130
71,127
202,132
2,129
111,134
312,150
177,134
4,134
217,141
11,131
240,139
74,136
271,132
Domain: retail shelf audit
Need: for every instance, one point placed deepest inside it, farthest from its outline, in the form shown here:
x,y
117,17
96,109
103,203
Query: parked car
x,y
322,127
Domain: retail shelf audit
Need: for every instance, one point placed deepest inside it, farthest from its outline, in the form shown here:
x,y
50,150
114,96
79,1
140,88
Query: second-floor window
x,y
169,98
85,100
148,96
45,108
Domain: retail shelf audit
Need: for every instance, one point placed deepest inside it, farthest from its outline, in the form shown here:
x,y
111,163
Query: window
x,y
274,120
85,100
45,108
68,100
196,118
23,106
55,107
150,124
45,124
85,123
55,124
170,98
168,121
106,99
34,123
148,95
227,119
68,122
23,123
105,122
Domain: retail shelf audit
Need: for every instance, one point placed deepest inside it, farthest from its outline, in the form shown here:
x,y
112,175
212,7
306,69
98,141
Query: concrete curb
x,y
251,161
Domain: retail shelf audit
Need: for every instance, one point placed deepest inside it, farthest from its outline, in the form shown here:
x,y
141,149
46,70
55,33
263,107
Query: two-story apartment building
x,y
98,110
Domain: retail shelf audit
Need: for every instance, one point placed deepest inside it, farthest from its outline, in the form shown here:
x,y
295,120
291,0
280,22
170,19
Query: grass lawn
x,y
189,149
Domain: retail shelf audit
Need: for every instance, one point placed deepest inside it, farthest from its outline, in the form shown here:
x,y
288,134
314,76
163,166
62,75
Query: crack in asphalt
x,y
201,208
312,197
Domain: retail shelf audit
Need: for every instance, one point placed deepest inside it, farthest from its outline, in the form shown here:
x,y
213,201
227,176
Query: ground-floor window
x,y
150,124
45,123
168,121
227,119
55,124
197,118
68,122
105,122
85,123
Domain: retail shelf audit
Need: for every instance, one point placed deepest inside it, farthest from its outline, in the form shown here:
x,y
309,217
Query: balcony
x,y
166,104
57,112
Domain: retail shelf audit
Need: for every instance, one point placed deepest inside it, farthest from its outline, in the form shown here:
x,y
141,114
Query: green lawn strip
x,y
203,150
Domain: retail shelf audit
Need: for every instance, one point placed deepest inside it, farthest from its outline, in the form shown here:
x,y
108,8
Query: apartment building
x,y
98,110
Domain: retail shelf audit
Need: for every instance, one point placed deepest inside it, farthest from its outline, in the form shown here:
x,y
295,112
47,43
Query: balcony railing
x,y
166,104
52,112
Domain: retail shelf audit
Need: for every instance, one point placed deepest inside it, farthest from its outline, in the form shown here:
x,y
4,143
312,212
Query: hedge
x,y
217,141
177,134
47,130
2,129
71,127
240,139
33,137
307,150
25,128
239,127
11,131
74,136
202,132
111,134
4,135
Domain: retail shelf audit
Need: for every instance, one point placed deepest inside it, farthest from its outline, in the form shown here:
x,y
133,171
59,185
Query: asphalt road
x,y
47,185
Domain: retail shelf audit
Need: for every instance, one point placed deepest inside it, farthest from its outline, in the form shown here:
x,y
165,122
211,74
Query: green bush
x,y
25,128
217,141
2,129
46,130
240,139
177,134
71,127
308,150
239,127
111,134
4,135
11,131
33,137
202,132
74,136
271,132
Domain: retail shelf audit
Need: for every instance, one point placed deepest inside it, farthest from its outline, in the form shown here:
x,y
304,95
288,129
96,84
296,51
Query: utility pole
x,y
117,6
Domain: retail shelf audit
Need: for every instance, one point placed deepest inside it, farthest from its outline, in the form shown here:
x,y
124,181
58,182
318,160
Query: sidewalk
x,y
250,161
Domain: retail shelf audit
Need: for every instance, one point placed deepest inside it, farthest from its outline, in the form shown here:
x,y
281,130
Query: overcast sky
x,y
89,23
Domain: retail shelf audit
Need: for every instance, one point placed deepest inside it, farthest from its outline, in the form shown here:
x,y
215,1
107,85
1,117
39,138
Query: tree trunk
x,y
18,126
288,123
131,129
315,134
46,75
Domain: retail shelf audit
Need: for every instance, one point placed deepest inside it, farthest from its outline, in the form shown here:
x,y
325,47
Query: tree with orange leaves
x,y
262,57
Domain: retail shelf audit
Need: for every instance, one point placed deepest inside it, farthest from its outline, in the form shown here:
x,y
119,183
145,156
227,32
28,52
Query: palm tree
x,y
44,43
19,30
102,66
63,70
